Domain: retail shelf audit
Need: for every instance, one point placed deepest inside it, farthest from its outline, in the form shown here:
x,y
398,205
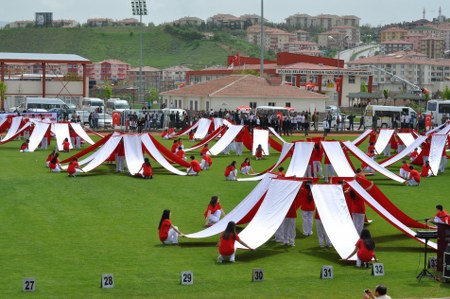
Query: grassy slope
x,y
159,48
66,232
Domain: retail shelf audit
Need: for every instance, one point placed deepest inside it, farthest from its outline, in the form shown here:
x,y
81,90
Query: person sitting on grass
x,y
364,249
50,157
246,168
54,164
194,167
66,145
414,177
74,167
259,152
226,243
147,171
231,172
206,162
168,233
214,211
24,146
426,170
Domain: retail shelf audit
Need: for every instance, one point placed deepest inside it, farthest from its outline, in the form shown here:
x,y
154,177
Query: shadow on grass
x,y
197,244
249,256
328,254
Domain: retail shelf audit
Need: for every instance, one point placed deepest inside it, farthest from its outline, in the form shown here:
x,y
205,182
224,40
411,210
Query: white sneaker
x,y
219,259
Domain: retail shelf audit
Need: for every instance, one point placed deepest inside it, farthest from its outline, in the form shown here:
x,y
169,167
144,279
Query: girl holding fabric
x,y
49,158
73,168
146,168
231,172
54,164
168,233
226,243
66,145
364,249
246,168
214,211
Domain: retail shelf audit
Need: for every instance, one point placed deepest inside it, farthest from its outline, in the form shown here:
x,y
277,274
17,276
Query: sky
x,y
375,12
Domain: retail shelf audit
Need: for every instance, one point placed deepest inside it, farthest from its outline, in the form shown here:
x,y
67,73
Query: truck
x,y
385,115
439,110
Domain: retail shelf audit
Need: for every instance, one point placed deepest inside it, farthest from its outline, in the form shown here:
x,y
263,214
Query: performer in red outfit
x,y
214,211
231,172
426,170
168,233
259,152
205,149
364,249
226,243
414,177
441,216
194,167
146,168
73,167
66,145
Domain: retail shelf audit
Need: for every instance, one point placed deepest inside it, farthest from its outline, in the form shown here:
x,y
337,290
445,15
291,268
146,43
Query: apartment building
x,y
106,70
393,33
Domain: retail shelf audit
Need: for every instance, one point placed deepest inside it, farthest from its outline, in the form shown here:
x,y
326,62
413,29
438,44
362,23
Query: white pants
x,y
238,148
75,173
246,169
400,148
317,168
321,234
443,164
47,163
307,222
230,258
232,176
329,171
204,165
191,172
404,174
288,231
308,172
214,217
358,221
57,169
412,182
78,142
387,150
425,159
172,237
120,161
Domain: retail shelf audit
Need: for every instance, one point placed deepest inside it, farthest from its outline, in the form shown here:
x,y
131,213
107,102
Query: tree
x,y
446,93
363,86
107,91
153,94
386,94
3,88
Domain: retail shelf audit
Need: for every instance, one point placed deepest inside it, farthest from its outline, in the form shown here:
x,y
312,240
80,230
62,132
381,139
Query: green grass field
x,y
66,232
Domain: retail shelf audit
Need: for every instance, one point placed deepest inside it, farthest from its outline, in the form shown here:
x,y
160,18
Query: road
x,y
364,50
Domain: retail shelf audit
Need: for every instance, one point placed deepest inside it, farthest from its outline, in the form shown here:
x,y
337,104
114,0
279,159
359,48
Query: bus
x,y
385,115
116,104
92,104
438,109
36,104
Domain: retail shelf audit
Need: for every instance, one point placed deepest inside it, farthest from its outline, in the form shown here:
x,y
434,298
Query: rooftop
x,y
42,57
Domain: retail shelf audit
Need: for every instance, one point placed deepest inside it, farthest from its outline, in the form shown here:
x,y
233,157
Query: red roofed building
x,y
111,69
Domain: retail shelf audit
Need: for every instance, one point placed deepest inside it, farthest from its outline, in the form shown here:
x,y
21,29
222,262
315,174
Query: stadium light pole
x,y
139,8
261,58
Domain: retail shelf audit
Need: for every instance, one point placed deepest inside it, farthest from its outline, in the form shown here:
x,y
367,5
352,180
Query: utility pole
x,y
261,59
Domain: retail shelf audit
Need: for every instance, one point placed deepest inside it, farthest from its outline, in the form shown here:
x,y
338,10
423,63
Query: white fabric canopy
x,y
383,139
336,218
405,152
374,165
362,136
103,153
385,213
300,159
218,122
15,124
239,212
133,153
154,152
80,132
271,213
406,138
272,130
38,134
61,132
202,129
337,158
261,137
188,130
203,142
437,147
226,139
17,133
436,129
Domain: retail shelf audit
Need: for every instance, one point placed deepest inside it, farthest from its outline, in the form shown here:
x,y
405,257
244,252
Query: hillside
x,y
160,49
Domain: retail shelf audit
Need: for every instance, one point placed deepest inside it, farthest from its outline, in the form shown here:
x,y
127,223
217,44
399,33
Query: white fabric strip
x,y
362,136
261,137
133,153
406,138
383,139
61,132
38,134
15,124
272,130
226,139
374,165
202,129
336,218
437,147
154,152
201,144
218,122
80,132
300,159
337,158
271,213
405,152
239,212
385,213
103,153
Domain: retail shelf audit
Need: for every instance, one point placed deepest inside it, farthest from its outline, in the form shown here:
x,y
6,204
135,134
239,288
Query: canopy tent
x,y
261,137
383,139
436,149
300,159
336,219
271,213
239,212
203,128
385,213
16,126
133,153
82,133
374,165
187,130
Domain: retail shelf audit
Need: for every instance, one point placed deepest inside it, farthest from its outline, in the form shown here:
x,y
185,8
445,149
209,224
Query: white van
x,y
116,104
385,114
91,104
438,109
36,104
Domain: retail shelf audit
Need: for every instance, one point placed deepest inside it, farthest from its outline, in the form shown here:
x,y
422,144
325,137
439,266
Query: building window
x,y
351,79
287,104
271,104
252,105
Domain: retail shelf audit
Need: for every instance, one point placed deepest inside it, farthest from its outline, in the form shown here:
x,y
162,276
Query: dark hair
x,y
230,230
214,200
352,194
381,289
411,167
439,207
66,139
55,158
165,215
233,163
281,168
147,162
367,239
192,157
358,170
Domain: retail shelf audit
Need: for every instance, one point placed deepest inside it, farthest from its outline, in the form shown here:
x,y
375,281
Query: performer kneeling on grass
x,y
54,164
146,168
364,249
206,162
74,167
49,158
231,172
194,167
259,152
214,211
168,233
66,145
246,168
24,146
426,170
226,243
414,177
